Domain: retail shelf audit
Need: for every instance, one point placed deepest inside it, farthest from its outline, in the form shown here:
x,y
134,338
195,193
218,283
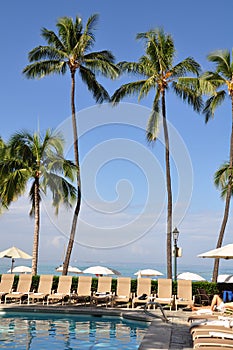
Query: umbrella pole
x,y
12,264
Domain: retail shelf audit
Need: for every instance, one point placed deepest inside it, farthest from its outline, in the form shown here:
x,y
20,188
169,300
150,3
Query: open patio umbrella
x,y
101,270
225,252
148,273
190,276
14,253
20,269
225,278
71,269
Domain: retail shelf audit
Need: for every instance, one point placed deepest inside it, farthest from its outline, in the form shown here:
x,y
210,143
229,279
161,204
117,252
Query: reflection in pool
x,y
63,332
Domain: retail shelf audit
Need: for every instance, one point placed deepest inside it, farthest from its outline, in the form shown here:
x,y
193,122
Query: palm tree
x,y
219,85
3,150
70,50
158,74
40,163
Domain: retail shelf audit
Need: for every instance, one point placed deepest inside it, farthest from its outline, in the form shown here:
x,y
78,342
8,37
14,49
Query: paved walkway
x,y
172,335
180,337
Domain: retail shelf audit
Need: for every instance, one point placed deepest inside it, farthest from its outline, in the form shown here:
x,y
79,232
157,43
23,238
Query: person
x,y
217,304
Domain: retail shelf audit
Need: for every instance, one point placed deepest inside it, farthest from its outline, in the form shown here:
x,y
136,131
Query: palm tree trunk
x,y
227,203
169,190
36,228
76,157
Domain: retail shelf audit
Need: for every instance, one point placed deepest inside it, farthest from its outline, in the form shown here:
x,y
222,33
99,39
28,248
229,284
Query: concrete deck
x,y
173,334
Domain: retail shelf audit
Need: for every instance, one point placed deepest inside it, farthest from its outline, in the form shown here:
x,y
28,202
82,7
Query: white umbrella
x,y
225,278
148,272
225,252
71,269
14,253
101,270
20,269
190,276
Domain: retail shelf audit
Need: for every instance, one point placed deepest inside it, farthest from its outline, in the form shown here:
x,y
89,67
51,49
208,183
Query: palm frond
x,y
214,79
154,119
13,186
98,91
101,62
127,90
131,67
188,65
222,177
66,32
160,48
146,87
212,103
188,90
104,55
43,68
222,59
91,25
84,40
52,39
48,53
62,191
147,67
53,143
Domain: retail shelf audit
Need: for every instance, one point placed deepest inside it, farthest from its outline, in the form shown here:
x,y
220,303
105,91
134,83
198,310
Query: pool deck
x,y
173,334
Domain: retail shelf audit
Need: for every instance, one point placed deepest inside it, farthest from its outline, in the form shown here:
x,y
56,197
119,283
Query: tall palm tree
x,y
3,150
70,50
39,162
218,85
158,74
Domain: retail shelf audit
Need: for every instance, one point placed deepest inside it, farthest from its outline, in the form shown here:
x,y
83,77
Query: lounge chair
x,y
103,294
123,292
23,289
184,293
84,289
207,325
6,284
63,290
143,294
219,340
44,289
204,332
202,298
164,295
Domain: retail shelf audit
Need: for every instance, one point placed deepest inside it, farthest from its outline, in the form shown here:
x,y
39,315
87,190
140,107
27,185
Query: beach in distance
x,y
204,269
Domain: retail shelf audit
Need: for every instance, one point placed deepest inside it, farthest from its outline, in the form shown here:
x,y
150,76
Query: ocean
x,y
204,269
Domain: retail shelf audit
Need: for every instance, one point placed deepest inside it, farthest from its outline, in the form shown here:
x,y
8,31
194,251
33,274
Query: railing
x,y
163,317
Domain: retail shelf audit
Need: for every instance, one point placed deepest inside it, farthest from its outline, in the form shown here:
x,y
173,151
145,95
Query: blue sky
x,y
119,191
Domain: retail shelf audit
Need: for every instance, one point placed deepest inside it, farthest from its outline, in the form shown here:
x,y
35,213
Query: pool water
x,y
49,331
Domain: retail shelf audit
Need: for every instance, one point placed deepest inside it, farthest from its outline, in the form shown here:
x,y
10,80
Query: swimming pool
x,y
63,332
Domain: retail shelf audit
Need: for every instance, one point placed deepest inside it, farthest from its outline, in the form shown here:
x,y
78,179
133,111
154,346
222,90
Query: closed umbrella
x,y
101,270
71,269
190,276
14,253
